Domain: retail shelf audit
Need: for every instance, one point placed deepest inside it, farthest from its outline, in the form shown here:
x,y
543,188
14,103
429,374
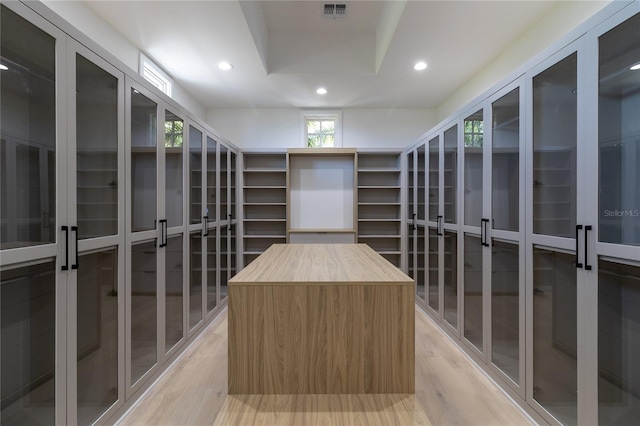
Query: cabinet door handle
x,y
76,265
587,228
65,229
578,229
229,226
413,219
440,225
163,233
205,226
484,234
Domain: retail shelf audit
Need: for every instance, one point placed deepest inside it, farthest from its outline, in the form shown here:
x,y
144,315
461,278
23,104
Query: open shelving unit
x,y
264,203
379,200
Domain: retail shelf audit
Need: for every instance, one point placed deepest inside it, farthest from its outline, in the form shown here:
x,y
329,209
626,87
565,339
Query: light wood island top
x,y
331,264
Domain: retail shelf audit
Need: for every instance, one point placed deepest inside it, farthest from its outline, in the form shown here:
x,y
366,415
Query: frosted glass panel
x,y
97,150
211,179
195,281
433,276
174,149
144,310
619,135
451,278
28,343
554,149
97,319
173,291
618,343
27,133
473,148
212,267
434,178
505,308
224,182
420,262
505,198
554,334
410,186
195,175
144,142
450,174
421,193
473,291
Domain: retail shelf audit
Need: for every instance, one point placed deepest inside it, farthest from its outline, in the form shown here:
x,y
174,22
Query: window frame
x,y
324,115
154,74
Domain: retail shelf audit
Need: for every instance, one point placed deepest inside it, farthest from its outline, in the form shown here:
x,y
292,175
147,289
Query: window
x,y
173,131
321,130
473,132
154,75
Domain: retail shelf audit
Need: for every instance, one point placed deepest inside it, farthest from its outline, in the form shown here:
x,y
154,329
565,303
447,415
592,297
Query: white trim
x,y
154,75
320,114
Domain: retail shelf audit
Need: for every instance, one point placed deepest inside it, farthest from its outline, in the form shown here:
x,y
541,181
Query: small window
x,y
321,130
154,75
473,132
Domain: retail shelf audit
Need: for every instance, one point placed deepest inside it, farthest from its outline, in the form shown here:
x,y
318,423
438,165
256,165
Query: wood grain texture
x,y
450,390
352,264
333,332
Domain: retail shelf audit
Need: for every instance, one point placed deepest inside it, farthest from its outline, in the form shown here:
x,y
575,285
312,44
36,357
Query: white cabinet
x,y
62,262
543,216
101,193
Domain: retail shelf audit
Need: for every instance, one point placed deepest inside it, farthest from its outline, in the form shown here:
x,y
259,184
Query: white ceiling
x,y
282,51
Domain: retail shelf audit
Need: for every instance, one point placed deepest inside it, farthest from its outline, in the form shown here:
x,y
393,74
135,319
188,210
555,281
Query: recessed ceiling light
x,y
635,67
3,67
419,66
225,66
321,91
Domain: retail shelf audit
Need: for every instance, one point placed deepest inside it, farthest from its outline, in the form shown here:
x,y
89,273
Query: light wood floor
x,y
450,390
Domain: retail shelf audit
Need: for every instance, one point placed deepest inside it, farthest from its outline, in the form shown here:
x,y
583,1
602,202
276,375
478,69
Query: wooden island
x,y
321,319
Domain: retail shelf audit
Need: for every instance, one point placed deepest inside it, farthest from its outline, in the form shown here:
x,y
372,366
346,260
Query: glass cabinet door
x,y
195,279
144,313
30,377
617,261
420,273
144,147
28,140
554,260
28,342
212,270
96,296
174,294
473,168
411,211
212,179
506,227
421,182
195,175
174,171
97,151
450,174
224,183
434,179
554,149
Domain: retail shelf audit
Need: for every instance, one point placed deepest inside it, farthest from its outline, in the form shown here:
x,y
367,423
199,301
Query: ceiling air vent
x,y
333,10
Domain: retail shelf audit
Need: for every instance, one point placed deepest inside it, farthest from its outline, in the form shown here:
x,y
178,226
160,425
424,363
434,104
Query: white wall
x,y
560,20
361,128
83,18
